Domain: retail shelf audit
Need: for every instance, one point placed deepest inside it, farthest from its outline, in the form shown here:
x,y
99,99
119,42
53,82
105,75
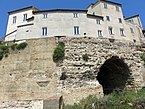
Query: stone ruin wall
x,y
31,74
81,75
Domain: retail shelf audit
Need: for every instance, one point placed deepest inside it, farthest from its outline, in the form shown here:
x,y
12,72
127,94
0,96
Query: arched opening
x,y
113,75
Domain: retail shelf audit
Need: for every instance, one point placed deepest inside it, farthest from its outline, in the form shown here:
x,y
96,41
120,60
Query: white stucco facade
x,y
91,22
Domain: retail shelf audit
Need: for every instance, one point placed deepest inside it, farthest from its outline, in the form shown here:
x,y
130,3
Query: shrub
x,y
4,49
21,46
142,56
58,53
123,100
75,106
1,55
140,103
61,44
13,46
85,57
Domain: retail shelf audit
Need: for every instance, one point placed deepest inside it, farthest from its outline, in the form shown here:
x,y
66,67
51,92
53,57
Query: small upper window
x,y
98,21
105,5
131,29
75,15
44,31
76,30
14,19
120,20
24,17
131,21
45,15
100,33
110,30
117,8
122,32
107,18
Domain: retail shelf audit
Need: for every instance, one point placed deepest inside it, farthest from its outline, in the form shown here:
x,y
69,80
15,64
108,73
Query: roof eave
x,y
95,16
132,17
111,2
60,10
26,8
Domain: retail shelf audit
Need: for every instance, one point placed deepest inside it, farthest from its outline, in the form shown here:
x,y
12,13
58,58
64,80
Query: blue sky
x,y
130,7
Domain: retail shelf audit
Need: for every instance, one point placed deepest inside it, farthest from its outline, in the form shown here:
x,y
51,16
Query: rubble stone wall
x,y
31,74
82,75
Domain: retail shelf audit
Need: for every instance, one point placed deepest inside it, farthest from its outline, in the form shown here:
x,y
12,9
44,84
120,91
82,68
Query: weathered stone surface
x,y
31,74
51,103
81,74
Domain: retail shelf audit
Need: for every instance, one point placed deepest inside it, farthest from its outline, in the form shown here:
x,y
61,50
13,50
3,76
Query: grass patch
x,y
122,100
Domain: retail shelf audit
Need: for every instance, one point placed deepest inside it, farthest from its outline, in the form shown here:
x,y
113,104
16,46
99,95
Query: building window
x,y
120,20
14,19
107,18
131,29
110,30
24,17
76,30
45,15
44,31
105,5
98,21
117,8
75,15
131,21
100,33
122,32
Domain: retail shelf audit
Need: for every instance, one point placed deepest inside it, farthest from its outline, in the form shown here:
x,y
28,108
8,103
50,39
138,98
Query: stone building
x,y
102,19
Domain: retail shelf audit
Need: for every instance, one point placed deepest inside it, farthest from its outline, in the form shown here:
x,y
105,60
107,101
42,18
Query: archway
x,y
113,75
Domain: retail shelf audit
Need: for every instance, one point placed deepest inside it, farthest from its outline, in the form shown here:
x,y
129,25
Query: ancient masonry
x,y
30,79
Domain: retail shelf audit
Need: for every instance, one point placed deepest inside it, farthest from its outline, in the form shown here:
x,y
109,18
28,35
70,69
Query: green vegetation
x,y
85,57
4,48
21,46
13,46
142,56
58,53
122,100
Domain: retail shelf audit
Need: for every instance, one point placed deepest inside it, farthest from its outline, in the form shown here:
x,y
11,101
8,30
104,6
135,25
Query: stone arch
x,y
113,75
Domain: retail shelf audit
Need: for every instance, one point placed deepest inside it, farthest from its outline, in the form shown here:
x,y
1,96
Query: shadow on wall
x,y
113,75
